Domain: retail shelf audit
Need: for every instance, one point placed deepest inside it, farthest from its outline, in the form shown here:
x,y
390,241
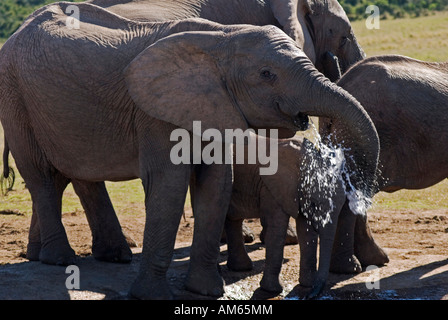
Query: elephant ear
x,y
284,184
177,80
291,14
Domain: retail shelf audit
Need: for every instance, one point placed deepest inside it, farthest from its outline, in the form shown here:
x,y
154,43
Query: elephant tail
x,y
5,160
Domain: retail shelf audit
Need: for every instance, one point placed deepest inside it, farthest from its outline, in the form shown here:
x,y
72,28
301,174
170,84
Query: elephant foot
x,y
309,279
112,251
240,263
366,249
120,254
271,283
33,251
151,289
60,255
371,254
306,278
205,282
316,290
345,264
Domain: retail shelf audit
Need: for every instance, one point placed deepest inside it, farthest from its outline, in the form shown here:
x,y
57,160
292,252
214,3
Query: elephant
x,y
309,187
320,27
407,99
100,102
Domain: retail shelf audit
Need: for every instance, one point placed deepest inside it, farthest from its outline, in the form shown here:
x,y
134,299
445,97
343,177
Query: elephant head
x,y
322,29
254,77
225,80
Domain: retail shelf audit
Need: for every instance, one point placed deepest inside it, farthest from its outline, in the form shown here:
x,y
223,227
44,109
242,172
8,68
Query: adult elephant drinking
x,y
320,27
407,99
100,102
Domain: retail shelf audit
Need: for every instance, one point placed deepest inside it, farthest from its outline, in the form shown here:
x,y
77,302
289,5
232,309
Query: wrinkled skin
x,y
100,103
108,241
407,100
319,27
276,198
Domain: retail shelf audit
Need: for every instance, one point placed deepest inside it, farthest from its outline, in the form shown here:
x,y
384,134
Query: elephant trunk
x,y
358,136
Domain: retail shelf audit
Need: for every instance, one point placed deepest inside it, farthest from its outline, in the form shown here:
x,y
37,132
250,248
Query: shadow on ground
x,y
102,280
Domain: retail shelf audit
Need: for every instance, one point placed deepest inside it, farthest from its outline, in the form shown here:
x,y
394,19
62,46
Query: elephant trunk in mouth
x,y
358,135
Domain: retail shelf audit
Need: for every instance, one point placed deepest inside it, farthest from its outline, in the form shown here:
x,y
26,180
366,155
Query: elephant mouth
x,y
302,122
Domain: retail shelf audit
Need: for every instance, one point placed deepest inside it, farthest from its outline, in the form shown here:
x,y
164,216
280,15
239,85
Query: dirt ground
x,y
416,242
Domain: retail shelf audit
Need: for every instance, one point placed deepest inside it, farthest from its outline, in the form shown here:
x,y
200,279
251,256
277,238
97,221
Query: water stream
x,y
325,175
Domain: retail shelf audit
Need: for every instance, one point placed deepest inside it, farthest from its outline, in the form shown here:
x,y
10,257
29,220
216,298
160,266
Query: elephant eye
x,y
267,75
344,41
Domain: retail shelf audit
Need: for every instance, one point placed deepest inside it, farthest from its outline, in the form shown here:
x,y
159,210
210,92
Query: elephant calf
x,y
308,187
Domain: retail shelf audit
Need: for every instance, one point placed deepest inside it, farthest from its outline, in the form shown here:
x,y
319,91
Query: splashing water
x,y
326,175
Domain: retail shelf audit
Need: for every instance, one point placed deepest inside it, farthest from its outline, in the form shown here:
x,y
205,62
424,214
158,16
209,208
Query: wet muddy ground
x,y
416,242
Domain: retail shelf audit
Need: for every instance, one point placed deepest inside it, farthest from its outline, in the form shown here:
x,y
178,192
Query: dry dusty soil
x,y
416,242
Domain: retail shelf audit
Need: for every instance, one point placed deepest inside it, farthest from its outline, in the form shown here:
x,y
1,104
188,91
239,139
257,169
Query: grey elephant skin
x,y
290,192
407,99
320,27
100,102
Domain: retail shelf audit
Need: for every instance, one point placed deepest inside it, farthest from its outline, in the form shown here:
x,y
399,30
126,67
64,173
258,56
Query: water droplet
x,y
324,174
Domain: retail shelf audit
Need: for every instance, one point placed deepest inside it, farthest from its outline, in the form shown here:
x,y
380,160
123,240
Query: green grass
x,y
423,38
433,198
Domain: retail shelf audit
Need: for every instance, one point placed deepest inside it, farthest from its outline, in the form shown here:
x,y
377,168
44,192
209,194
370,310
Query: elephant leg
x,y
327,234
34,236
366,249
291,235
34,244
275,224
343,259
108,241
238,259
165,193
46,194
308,241
248,234
212,193
45,184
